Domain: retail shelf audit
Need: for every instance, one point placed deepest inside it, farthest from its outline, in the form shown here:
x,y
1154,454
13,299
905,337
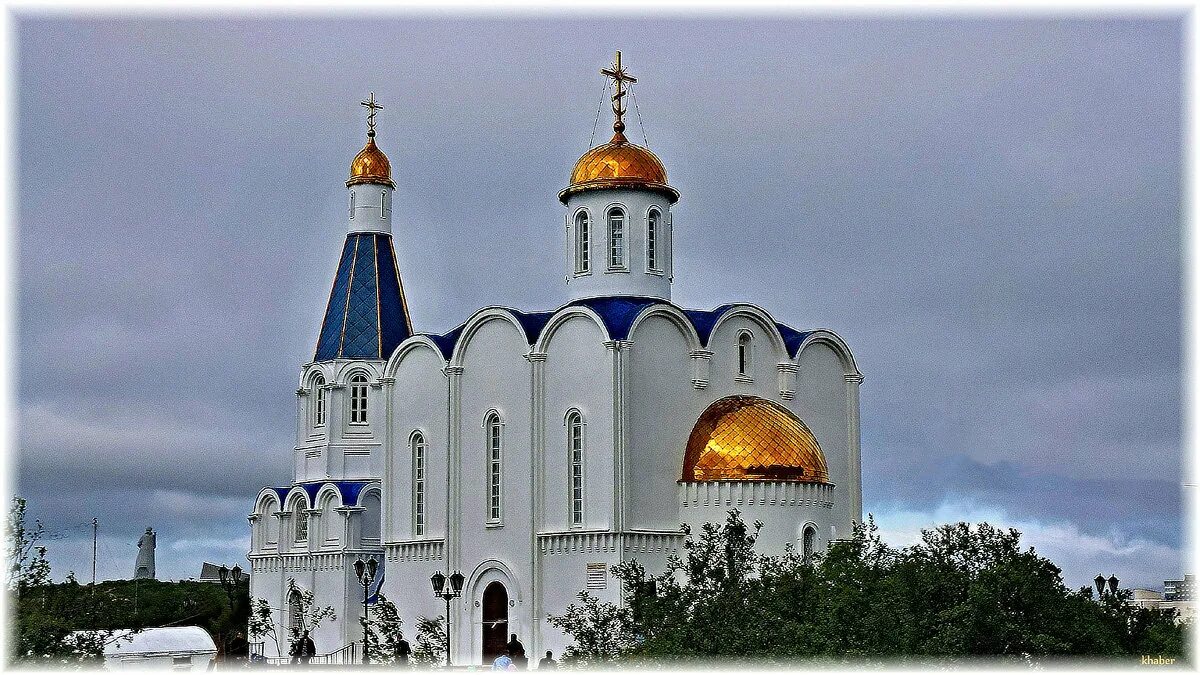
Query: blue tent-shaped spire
x,y
367,316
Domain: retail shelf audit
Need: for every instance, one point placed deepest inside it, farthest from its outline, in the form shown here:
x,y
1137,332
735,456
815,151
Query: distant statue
x,y
144,568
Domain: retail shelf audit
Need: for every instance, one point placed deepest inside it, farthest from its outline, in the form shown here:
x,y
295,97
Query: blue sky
x,y
987,209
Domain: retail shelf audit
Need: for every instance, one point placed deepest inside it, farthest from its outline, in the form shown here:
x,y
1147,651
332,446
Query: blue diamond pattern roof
x,y
367,316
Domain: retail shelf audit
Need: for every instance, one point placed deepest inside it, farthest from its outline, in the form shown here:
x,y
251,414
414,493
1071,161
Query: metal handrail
x,y
345,656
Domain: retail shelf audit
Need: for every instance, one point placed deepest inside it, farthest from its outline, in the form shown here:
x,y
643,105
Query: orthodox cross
x,y
372,106
620,76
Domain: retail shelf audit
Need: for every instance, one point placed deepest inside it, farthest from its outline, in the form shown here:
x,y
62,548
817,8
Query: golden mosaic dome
x,y
619,164
370,165
751,438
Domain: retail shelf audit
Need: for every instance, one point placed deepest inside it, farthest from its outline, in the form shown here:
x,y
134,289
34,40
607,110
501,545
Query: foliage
x,y
962,591
261,617
430,649
48,615
386,629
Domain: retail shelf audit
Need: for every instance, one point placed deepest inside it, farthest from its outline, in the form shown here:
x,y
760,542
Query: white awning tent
x,y
174,647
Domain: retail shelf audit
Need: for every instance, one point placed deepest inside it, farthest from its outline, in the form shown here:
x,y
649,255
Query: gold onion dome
x,y
751,438
370,165
619,163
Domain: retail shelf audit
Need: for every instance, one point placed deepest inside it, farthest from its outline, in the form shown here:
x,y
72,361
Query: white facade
x,y
537,450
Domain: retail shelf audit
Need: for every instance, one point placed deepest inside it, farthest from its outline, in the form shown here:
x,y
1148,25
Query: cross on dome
x,y
373,107
619,75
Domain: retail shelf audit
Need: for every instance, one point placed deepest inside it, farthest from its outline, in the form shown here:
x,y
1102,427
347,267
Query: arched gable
x,y
561,317
477,321
674,315
349,370
757,315
409,346
307,375
268,501
834,342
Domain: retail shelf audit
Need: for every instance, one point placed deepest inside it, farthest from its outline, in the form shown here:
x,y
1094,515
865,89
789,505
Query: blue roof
x,y
618,312
350,490
366,317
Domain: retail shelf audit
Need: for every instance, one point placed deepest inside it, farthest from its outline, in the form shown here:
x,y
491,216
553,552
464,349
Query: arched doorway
x,y
495,621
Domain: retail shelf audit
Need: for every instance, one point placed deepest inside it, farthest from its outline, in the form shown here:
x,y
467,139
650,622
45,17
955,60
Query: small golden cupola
x,y
619,163
370,165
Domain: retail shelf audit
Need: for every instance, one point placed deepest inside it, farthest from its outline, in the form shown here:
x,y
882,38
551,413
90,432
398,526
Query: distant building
x,y
1179,589
1175,598
144,567
210,572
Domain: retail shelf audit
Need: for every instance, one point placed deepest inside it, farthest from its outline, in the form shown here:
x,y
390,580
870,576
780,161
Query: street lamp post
x,y
231,581
366,574
447,593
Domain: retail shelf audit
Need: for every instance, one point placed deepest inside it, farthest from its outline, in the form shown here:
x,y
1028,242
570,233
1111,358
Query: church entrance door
x,y
495,621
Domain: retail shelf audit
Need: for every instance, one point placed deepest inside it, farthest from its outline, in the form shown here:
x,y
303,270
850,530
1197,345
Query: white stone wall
x,y
372,208
635,277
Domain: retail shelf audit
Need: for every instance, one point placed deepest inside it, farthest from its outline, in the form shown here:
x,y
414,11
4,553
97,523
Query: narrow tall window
x,y
652,240
418,462
743,353
301,523
575,445
583,243
494,442
352,205
616,238
319,402
382,204
809,541
358,399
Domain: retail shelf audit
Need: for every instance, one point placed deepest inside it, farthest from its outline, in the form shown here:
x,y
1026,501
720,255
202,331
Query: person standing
x,y
308,649
503,662
403,650
548,663
516,650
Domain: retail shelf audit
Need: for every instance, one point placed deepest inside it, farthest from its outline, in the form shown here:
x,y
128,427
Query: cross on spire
x,y
619,75
371,106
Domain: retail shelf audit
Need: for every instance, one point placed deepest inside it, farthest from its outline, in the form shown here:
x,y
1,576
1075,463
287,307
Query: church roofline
x,y
619,313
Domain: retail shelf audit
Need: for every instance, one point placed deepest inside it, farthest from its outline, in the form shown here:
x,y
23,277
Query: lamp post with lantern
x,y
447,593
366,574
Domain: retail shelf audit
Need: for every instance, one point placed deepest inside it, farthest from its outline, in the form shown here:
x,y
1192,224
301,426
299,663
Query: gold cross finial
x,y
620,76
372,106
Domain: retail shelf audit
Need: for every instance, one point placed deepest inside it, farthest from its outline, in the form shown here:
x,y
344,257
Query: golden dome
x,y
618,164
751,438
370,165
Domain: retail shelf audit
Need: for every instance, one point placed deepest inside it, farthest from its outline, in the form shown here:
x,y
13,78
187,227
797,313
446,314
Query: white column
x,y
853,381
537,435
454,504
620,351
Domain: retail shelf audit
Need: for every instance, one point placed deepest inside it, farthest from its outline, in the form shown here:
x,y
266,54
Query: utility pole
x,y
95,533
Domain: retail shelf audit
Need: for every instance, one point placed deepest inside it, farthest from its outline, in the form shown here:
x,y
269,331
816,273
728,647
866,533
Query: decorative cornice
x,y
535,357
787,367
618,345
302,392
855,378
387,381
450,371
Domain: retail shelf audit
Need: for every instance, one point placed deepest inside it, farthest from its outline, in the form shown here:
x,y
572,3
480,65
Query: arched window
x,y
295,612
744,352
358,399
382,204
809,541
418,463
652,240
372,518
616,238
583,243
494,439
575,456
300,514
319,401
352,205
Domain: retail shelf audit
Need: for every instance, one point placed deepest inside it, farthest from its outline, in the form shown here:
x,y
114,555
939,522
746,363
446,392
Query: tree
x,y
962,591
430,649
386,629
307,617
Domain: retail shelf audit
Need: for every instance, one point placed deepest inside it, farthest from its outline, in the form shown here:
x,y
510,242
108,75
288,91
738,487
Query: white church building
x,y
534,450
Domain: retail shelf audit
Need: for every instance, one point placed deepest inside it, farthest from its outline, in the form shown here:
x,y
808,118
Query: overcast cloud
x,y
987,210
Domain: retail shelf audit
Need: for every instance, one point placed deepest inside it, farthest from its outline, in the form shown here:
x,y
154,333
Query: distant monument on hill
x,y
144,567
